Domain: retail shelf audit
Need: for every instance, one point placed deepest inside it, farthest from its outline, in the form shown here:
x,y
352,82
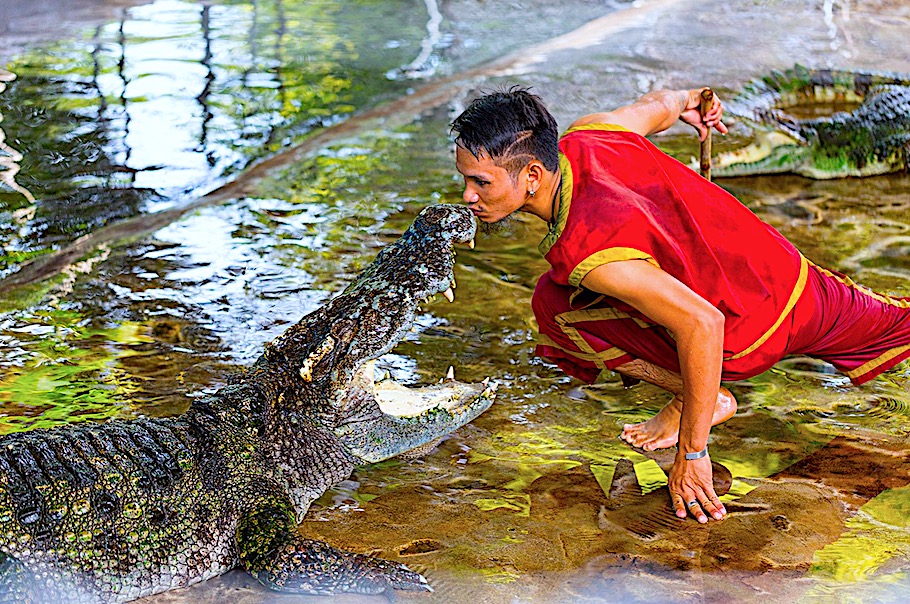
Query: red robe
x,y
622,199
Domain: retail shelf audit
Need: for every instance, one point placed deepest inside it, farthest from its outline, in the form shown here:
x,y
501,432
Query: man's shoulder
x,y
594,133
595,127
597,137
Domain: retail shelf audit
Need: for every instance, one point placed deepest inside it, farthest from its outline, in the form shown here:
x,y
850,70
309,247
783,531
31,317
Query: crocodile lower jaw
x,y
772,152
408,420
402,401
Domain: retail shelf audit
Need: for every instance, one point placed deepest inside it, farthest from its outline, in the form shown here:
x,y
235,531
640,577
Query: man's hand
x,y
698,328
692,116
692,489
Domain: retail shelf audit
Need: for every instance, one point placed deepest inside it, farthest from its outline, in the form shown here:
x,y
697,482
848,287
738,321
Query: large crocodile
x,y
116,511
871,138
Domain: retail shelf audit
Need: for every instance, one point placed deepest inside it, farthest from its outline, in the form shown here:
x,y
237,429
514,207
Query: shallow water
x,y
166,101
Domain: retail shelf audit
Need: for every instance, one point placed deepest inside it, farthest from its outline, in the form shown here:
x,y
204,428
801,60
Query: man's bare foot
x,y
662,430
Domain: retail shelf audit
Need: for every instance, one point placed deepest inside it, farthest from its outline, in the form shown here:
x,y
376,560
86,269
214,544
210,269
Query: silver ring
x,y
691,503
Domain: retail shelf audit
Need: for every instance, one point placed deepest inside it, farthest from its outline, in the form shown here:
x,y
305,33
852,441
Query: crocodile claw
x,y
384,577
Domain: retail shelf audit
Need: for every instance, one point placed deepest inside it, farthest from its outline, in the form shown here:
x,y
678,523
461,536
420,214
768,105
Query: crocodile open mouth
x,y
398,400
459,400
448,403
419,416
383,418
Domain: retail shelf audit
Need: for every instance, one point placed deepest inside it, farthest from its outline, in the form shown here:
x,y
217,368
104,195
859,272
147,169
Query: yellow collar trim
x,y
562,210
565,193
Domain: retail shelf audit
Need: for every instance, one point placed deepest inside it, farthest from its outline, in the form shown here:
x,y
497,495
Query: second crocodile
x,y
867,132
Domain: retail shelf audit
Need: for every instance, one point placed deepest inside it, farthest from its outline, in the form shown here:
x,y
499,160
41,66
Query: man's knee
x,y
549,300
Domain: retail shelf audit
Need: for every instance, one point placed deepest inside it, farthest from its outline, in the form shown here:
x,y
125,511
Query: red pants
x,y
860,332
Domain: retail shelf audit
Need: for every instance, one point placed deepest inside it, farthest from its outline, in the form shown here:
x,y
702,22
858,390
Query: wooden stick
x,y
707,100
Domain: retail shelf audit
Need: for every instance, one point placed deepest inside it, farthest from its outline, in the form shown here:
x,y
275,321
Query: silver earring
x,y
532,192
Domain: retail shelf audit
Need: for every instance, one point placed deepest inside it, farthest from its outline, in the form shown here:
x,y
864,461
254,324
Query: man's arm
x,y
658,110
698,328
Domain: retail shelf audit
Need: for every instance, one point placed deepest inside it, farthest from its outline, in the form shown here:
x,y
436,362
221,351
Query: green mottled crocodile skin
x,y
873,138
116,511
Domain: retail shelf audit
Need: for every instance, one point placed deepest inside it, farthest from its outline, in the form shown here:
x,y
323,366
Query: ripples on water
x,y
150,110
154,108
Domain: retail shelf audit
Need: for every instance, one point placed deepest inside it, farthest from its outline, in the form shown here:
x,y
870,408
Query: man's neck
x,y
544,203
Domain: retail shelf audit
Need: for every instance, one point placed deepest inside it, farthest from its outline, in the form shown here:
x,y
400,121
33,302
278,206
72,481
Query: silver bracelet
x,y
698,455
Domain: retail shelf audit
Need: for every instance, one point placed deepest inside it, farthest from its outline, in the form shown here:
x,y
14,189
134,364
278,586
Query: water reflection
x,y
424,65
172,98
9,157
144,112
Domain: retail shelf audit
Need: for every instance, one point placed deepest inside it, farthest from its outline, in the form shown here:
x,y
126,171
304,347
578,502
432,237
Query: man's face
x,y
488,189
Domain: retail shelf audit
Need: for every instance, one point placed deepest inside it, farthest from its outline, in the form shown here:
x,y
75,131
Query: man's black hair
x,y
512,127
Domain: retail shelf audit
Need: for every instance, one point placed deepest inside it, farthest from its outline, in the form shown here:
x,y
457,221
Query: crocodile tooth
x,y
485,381
471,243
450,374
453,283
449,294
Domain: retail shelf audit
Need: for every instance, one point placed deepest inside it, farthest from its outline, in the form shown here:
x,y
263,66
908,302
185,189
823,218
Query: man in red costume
x,y
659,274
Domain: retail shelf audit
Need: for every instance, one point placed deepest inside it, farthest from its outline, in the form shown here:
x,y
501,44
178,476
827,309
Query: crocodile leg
x,y
272,551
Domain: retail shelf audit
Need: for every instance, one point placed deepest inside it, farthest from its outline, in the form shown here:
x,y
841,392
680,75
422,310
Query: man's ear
x,y
533,173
